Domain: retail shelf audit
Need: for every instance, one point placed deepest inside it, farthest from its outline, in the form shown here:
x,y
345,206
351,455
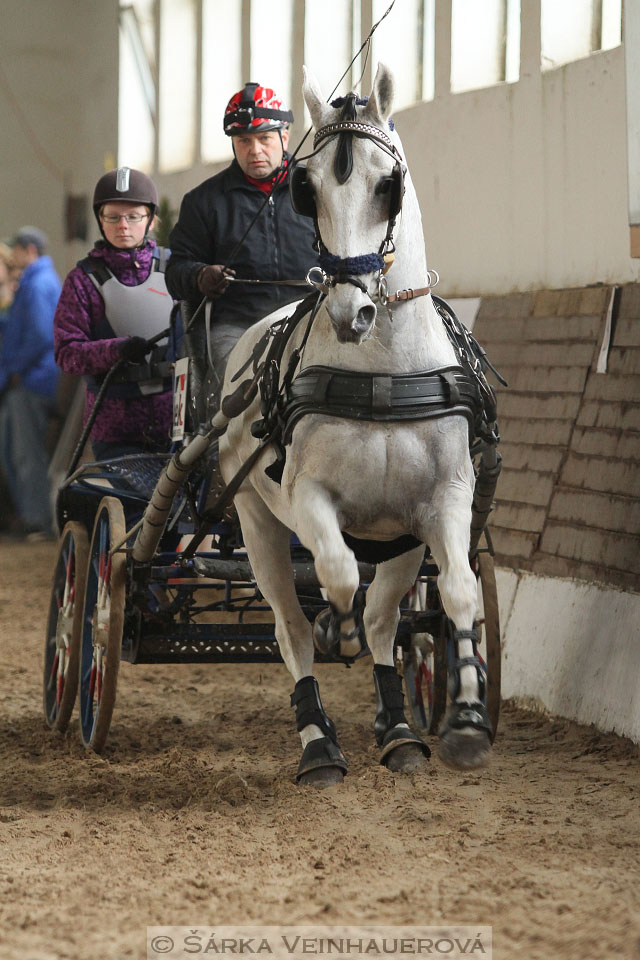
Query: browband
x,y
357,127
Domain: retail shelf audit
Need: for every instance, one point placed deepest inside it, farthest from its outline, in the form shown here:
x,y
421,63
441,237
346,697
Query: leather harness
x,y
379,396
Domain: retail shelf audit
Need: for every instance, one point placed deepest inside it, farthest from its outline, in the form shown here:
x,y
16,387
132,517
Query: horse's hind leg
x,y
268,545
465,732
402,750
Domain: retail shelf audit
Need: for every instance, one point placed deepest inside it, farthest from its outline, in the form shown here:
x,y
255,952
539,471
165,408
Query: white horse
x,y
373,480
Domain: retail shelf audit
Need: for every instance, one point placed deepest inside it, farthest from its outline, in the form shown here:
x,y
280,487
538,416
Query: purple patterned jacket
x,y
79,310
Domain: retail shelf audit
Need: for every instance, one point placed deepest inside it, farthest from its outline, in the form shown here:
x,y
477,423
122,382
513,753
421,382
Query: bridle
x,y
334,270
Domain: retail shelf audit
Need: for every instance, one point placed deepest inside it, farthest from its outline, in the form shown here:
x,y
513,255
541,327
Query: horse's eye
x,y
383,186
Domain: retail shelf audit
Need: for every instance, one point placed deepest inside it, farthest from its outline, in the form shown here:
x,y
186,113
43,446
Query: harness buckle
x,y
316,277
405,294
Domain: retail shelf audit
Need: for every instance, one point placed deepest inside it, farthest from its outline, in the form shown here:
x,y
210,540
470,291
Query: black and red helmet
x,y
255,109
126,184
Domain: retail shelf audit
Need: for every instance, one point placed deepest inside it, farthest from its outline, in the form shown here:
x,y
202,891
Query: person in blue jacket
x,y
28,381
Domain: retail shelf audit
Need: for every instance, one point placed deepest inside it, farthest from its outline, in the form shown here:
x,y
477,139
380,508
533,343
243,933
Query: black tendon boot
x,y
322,762
465,732
401,748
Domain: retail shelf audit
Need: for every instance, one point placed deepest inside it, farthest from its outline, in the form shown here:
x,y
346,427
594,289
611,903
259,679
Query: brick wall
x,y
568,500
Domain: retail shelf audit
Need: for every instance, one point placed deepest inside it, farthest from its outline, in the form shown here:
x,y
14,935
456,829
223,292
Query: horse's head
x,y
353,185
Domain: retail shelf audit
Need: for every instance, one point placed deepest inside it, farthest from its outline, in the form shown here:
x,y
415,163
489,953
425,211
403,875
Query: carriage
x,y
153,566
206,608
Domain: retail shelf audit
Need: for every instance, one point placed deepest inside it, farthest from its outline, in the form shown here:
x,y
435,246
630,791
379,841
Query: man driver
x,y
213,227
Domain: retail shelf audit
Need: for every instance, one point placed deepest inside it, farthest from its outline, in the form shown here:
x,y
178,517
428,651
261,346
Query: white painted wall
x,y
59,76
524,186
573,648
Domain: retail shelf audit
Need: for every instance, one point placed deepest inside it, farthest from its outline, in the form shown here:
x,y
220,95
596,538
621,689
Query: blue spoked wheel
x,y
102,624
64,626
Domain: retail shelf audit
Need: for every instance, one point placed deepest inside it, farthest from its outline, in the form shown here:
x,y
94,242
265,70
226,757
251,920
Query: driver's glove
x,y
213,280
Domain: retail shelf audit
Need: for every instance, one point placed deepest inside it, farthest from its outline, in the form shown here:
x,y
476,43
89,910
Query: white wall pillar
x,y
442,50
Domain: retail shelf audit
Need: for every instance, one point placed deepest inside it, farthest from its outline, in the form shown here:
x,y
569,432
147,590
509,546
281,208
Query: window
x,y
271,29
221,72
512,52
611,24
328,26
566,31
404,42
178,59
398,43
575,28
428,50
485,43
137,100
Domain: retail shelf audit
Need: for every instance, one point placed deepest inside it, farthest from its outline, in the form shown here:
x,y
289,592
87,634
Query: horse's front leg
x,y
316,523
465,732
268,545
402,750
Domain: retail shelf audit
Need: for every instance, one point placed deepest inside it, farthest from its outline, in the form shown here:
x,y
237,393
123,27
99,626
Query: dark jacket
x,y
213,218
80,350
27,339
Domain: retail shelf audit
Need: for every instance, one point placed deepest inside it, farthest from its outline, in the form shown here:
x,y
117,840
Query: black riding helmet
x,y
125,184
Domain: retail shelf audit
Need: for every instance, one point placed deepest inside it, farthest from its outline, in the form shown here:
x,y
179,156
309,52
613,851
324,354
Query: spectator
x,y
7,284
213,228
7,289
112,302
28,380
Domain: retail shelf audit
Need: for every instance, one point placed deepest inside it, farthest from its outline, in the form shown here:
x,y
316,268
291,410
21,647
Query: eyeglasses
x,y
129,217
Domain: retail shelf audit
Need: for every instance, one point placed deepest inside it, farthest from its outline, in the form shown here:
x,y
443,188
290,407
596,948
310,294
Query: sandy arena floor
x,y
191,816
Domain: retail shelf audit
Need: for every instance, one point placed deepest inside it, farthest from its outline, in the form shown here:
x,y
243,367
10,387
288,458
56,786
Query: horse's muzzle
x,y
353,329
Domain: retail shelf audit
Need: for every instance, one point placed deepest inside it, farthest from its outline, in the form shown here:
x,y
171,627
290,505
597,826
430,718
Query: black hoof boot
x,y
465,737
402,751
328,636
322,763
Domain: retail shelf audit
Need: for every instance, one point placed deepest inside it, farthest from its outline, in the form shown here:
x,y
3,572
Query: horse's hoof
x,y
329,640
403,751
321,777
322,763
325,645
407,758
465,749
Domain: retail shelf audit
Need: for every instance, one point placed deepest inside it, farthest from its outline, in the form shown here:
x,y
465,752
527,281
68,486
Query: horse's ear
x,y
313,98
381,99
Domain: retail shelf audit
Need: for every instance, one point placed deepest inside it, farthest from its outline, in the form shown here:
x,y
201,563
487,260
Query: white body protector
x,y
140,311
143,310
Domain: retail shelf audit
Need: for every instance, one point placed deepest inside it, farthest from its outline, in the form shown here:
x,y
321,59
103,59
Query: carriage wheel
x,y
103,621
425,667
64,626
488,627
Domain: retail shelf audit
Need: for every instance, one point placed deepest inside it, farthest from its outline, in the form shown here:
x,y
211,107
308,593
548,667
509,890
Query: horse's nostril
x,y
364,318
